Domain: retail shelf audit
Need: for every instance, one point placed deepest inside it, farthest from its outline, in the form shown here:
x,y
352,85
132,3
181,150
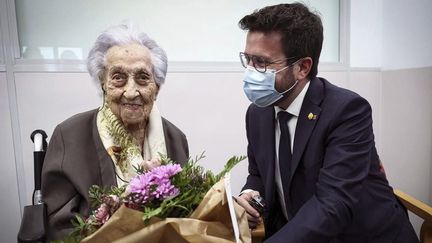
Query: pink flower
x,y
102,213
155,184
114,198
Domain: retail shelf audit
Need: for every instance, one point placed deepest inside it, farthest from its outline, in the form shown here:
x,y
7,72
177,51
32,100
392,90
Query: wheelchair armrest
x,y
33,224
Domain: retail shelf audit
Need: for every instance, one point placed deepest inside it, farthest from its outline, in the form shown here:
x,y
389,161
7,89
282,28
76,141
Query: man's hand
x,y
253,216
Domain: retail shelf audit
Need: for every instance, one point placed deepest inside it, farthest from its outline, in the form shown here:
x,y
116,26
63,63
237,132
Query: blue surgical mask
x,y
260,87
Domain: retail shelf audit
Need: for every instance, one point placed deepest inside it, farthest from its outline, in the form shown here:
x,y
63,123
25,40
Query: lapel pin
x,y
311,116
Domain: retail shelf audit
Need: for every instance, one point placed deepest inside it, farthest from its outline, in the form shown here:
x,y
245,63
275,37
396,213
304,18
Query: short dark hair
x,y
301,29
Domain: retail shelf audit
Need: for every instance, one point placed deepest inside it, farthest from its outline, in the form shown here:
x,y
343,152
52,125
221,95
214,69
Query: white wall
x,y
407,34
9,201
396,37
407,80
366,33
407,131
391,34
407,96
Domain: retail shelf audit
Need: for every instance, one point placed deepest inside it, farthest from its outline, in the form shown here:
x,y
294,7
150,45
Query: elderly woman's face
x,y
129,83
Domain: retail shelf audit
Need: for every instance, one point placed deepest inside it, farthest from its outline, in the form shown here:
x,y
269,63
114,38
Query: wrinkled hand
x,y
253,216
150,164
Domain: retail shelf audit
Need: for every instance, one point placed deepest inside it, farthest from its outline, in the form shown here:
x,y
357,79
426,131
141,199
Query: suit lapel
x,y
308,117
267,141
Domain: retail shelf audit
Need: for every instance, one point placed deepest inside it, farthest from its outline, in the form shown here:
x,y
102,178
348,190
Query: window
x,y
189,30
2,62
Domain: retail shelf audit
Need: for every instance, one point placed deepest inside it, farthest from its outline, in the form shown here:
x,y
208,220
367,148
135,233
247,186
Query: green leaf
x,y
233,161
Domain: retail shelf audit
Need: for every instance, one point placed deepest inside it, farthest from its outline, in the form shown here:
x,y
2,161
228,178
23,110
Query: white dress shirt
x,y
294,110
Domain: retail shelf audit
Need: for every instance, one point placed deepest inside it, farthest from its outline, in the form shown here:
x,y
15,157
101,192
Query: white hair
x,y
124,34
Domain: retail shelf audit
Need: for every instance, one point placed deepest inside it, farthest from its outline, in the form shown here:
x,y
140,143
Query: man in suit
x,y
311,149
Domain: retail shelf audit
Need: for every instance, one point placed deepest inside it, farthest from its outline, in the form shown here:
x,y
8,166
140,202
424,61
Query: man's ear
x,y
304,67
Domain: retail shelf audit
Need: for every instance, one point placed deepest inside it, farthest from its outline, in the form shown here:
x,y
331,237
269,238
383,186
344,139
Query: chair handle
x,y
39,137
40,145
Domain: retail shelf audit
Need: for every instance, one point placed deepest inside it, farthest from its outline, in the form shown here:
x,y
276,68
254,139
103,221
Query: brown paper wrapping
x,y
210,222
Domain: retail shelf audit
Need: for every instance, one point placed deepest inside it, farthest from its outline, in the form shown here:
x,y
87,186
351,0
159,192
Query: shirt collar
x,y
295,106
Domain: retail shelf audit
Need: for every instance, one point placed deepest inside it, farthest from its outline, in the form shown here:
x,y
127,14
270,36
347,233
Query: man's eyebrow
x,y
265,58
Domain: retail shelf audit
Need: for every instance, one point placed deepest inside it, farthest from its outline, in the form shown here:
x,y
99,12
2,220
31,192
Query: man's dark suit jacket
x,y
76,159
337,190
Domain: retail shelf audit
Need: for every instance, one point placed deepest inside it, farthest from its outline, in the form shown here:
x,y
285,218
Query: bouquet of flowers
x,y
163,203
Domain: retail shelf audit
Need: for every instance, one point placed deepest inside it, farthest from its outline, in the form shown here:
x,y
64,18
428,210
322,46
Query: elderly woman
x,y
102,146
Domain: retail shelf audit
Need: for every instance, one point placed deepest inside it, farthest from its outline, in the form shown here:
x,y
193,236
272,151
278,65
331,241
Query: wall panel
x,y
9,199
407,131
46,99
